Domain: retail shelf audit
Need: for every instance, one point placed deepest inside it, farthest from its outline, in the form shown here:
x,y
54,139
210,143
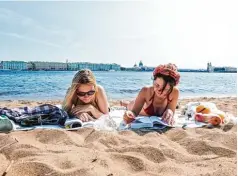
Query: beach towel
x,y
111,122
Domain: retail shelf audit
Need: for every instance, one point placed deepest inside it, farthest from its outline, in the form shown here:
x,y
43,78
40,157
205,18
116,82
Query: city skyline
x,y
47,65
189,34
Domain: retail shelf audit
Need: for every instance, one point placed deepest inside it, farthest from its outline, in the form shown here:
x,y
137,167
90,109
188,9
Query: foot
x,y
124,103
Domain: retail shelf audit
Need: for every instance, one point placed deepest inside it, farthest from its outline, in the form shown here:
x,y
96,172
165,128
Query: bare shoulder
x,y
175,92
101,90
147,90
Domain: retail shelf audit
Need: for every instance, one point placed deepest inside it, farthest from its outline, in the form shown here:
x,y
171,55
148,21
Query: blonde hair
x,y
84,76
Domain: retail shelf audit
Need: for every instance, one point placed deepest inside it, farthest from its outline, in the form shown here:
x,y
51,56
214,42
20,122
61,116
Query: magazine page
x,y
158,120
141,122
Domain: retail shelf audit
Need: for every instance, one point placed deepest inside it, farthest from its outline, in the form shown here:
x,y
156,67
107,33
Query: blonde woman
x,y
85,99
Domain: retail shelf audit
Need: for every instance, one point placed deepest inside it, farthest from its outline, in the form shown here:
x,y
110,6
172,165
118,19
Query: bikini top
x,y
150,109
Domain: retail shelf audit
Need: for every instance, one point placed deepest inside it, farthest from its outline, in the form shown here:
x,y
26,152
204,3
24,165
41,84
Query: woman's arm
x,y
102,101
168,115
175,95
82,109
140,101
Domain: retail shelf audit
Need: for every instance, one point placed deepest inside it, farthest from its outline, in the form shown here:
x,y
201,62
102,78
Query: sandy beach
x,y
88,152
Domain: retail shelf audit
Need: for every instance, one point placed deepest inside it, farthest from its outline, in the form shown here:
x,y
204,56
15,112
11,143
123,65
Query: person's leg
x,y
128,104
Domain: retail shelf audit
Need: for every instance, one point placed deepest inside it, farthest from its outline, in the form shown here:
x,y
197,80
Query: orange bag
x,y
203,109
213,119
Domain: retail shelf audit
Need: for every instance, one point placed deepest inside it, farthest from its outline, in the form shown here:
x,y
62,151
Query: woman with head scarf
x,y
160,99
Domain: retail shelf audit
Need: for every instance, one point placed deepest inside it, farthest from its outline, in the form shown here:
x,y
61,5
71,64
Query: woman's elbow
x,y
106,111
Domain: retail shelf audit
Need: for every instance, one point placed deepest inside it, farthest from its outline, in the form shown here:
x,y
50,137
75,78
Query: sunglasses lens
x,y
81,94
91,92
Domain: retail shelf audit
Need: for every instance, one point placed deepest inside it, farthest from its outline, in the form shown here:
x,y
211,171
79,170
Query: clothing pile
x,y
45,114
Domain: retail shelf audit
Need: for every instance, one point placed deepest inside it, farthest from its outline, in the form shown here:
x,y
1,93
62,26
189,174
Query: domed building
x,y
141,64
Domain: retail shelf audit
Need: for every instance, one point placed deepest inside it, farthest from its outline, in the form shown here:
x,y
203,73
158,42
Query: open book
x,y
75,123
148,122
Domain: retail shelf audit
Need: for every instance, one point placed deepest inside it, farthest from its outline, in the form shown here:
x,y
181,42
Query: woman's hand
x,y
168,117
129,116
85,117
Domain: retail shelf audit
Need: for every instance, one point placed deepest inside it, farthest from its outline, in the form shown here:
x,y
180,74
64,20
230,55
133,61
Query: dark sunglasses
x,y
89,93
157,86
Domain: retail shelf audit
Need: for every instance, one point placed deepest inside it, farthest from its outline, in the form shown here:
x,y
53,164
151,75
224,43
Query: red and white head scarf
x,y
168,70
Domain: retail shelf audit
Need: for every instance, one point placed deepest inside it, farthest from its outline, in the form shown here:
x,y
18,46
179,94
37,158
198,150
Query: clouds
x,y
25,28
18,36
189,33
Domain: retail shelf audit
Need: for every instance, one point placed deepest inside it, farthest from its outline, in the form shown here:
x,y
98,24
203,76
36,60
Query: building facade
x,y
74,66
211,68
35,65
93,66
13,65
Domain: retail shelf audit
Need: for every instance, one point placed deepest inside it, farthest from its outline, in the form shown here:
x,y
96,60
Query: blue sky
x,y
187,33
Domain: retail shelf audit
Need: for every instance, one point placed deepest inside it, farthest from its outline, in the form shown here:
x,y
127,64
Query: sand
x,y
199,152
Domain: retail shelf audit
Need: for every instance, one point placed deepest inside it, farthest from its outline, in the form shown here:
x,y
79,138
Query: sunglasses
x,y
89,93
157,86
